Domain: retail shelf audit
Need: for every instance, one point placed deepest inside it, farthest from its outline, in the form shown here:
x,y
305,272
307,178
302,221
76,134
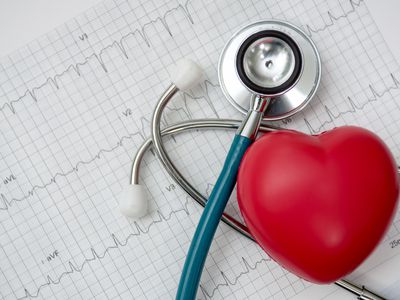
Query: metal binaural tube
x,y
361,292
175,129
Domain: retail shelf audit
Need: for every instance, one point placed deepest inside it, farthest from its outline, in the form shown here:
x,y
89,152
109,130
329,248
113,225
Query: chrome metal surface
x,y
250,125
156,130
283,105
361,292
269,62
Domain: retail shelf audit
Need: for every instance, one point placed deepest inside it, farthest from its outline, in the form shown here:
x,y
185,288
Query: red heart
x,y
318,205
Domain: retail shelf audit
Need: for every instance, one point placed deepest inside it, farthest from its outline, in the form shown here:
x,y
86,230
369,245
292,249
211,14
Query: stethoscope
x,y
269,70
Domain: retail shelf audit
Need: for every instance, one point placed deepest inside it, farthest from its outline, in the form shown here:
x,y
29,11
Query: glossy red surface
x,y
318,205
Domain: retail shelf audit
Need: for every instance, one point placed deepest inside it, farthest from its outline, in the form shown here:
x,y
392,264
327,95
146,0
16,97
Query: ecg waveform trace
x,y
83,204
353,107
7,203
227,282
138,230
54,80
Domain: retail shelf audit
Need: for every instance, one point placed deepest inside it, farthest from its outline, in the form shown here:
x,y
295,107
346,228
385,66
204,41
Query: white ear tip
x,y
187,74
133,202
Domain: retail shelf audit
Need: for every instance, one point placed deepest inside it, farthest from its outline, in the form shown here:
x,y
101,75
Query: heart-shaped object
x,y
318,205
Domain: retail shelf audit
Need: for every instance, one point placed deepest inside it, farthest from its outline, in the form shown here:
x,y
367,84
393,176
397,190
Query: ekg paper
x,y
75,106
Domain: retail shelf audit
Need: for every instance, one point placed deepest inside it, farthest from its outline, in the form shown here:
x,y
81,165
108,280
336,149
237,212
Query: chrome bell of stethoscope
x,y
271,59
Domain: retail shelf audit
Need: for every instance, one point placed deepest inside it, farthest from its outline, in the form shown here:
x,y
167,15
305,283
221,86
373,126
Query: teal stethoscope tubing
x,y
222,190
210,218
216,203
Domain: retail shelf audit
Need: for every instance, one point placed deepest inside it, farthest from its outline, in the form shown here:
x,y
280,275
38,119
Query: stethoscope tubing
x,y
174,172
209,220
158,147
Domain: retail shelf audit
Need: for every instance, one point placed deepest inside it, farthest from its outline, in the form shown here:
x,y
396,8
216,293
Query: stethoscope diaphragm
x,y
251,64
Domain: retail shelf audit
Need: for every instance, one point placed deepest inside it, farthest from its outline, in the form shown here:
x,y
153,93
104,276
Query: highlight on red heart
x,y
318,205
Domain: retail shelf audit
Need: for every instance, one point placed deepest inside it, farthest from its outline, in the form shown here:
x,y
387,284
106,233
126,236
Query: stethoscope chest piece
x,y
274,59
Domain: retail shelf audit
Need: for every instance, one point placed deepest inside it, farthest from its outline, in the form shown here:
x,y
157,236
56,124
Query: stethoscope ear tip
x,y
133,202
187,74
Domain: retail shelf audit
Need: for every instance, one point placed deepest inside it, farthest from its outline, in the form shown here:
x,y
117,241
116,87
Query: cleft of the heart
x,y
318,204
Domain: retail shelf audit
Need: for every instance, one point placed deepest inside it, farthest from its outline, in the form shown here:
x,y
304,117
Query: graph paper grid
x,y
75,106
